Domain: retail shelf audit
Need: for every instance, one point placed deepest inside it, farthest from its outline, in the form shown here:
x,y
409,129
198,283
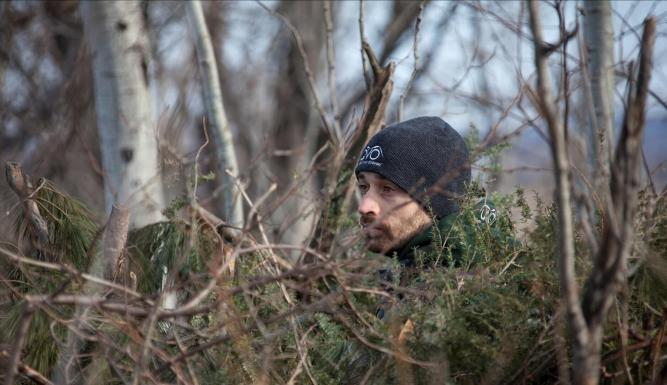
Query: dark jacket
x,y
451,242
442,244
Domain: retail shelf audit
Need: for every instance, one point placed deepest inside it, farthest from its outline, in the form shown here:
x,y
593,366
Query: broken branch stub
x,y
113,242
341,188
22,187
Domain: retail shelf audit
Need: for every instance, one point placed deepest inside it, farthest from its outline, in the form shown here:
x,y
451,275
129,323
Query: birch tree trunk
x,y
215,111
598,33
128,135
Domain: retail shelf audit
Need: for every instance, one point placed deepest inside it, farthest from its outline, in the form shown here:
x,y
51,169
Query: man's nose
x,y
369,205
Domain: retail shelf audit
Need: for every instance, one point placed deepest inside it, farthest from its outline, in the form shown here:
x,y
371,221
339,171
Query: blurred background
x,y
469,62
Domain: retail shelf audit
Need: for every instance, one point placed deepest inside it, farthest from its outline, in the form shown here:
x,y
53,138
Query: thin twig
x,y
657,348
658,99
195,165
19,340
568,284
331,63
362,35
622,321
302,349
380,348
33,374
415,53
67,269
565,76
140,367
188,364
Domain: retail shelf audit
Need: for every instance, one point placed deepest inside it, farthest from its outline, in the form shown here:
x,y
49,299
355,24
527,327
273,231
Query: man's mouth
x,y
371,232
372,229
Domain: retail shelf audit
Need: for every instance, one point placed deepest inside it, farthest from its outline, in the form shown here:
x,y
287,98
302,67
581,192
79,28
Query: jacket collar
x,y
423,239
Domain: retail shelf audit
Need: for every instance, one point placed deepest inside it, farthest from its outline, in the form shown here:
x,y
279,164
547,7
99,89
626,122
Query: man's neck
x,y
421,238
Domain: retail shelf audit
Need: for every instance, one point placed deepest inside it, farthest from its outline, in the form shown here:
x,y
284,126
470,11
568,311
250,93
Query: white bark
x,y
126,125
598,32
217,120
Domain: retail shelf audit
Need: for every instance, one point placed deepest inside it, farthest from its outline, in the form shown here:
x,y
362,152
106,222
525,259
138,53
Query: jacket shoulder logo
x,y
487,215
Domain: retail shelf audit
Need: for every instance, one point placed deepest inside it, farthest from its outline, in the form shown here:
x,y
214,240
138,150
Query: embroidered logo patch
x,y
372,155
487,215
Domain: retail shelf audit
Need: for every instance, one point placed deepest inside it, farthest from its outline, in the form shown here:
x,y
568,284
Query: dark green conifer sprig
x,y
71,231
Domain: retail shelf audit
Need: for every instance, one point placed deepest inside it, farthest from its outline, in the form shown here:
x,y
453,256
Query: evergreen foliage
x,y
71,230
480,306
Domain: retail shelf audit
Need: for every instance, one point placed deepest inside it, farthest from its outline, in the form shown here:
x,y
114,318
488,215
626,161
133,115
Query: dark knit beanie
x,y
425,157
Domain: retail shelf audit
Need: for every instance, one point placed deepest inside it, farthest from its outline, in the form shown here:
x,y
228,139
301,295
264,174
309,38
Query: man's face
x,y
389,215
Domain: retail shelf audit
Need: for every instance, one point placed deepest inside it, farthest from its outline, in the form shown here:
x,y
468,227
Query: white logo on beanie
x,y
372,154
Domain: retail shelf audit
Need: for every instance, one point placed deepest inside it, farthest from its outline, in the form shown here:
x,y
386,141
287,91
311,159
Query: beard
x,y
392,233
379,238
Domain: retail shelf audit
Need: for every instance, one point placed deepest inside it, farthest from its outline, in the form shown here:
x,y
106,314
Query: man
x,y
409,174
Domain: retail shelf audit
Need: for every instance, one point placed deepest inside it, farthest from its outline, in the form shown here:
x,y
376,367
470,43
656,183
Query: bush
x,y
487,314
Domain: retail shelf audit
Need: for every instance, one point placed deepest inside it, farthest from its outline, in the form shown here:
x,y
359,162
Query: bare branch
x,y
611,262
19,340
568,284
362,35
658,99
21,185
33,374
331,62
68,269
415,53
403,14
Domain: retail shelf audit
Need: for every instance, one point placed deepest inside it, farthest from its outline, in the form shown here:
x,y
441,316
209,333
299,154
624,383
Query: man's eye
x,y
363,188
387,189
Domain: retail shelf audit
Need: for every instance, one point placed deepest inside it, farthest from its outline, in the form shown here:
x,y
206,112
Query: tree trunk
x,y
215,111
297,127
599,44
128,135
